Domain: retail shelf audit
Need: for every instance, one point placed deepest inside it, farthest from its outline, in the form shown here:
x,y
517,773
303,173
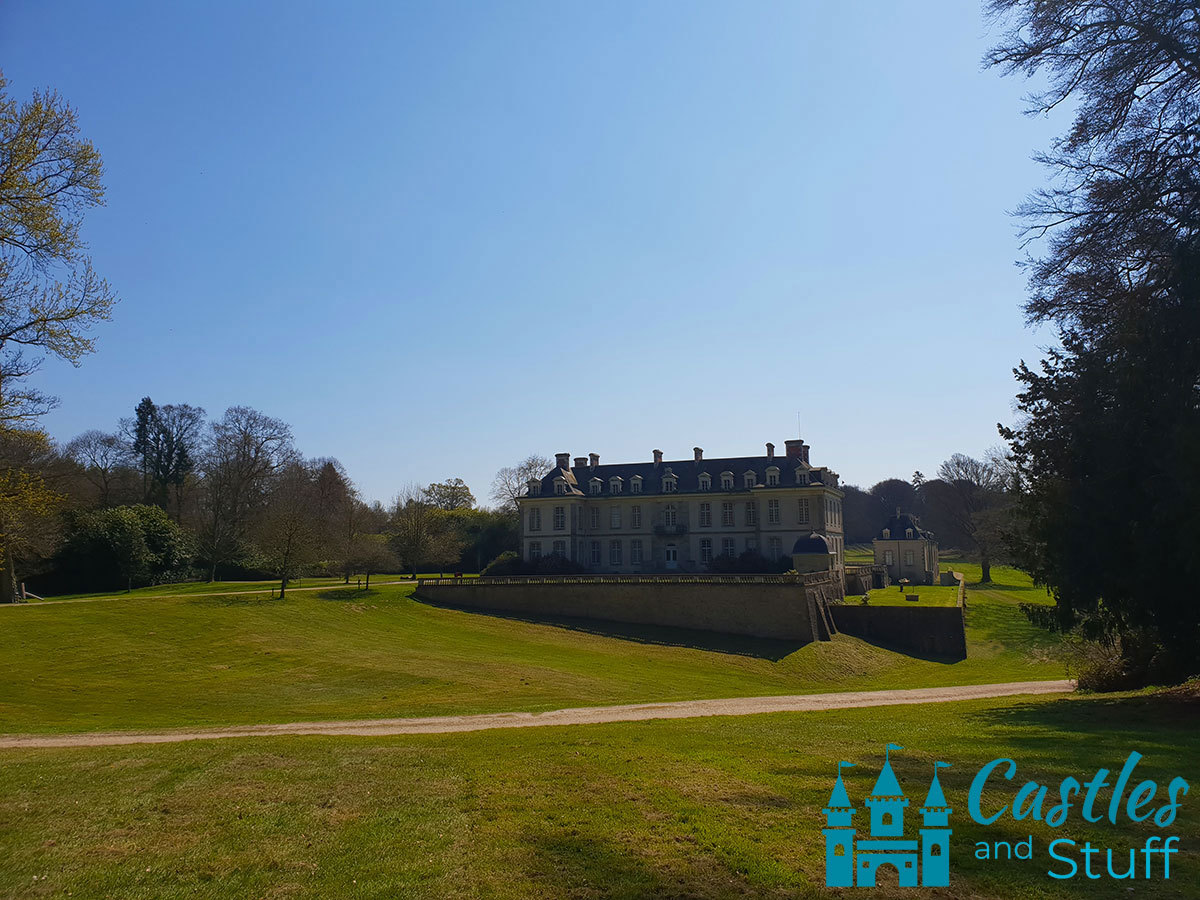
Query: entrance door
x,y
672,557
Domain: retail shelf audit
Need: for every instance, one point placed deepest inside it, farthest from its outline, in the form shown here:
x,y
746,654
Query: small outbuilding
x,y
907,550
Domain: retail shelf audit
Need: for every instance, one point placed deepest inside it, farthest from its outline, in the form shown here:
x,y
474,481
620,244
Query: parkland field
x,y
712,807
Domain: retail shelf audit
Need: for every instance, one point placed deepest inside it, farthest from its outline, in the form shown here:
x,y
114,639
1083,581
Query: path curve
x,y
583,715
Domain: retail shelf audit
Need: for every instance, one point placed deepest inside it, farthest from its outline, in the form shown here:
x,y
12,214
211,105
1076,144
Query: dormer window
x,y
908,533
727,481
749,479
773,477
614,484
595,485
670,483
535,488
887,534
705,482
801,476
560,485
635,484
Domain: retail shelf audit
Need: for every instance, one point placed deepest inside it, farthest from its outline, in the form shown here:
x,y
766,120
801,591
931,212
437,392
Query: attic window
x,y
887,534
535,489
635,484
772,477
801,476
727,481
560,486
908,533
705,482
595,485
749,479
670,484
614,484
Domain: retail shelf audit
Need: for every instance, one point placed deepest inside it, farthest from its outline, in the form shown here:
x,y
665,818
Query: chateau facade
x,y
680,515
907,550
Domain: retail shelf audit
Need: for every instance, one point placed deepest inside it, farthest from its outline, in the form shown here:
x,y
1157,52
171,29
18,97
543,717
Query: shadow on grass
x,y
235,599
346,594
905,651
660,635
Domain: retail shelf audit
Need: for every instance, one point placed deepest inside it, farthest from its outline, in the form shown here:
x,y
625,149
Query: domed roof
x,y
814,543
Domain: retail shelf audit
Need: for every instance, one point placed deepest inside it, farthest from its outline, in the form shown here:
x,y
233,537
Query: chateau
x,y
680,515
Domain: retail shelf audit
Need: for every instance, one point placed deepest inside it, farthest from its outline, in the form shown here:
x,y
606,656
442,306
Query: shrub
x,y
510,563
507,563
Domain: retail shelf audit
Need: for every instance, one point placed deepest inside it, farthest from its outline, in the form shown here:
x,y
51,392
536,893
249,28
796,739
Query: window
x,y
560,486
727,481
772,512
670,484
535,489
635,484
535,549
887,534
705,515
752,543
614,553
804,512
669,515
908,557
751,513
560,518
706,550
594,517
705,482
801,476
728,547
749,480
614,484
635,552
535,519
772,477
595,553
727,514
908,533
887,557
614,517
774,549
635,516
560,548
595,485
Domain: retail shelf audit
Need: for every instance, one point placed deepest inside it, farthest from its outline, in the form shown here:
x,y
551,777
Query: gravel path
x,y
585,715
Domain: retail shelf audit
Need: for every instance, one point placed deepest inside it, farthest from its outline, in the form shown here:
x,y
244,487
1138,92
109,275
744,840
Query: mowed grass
x,y
140,663
703,808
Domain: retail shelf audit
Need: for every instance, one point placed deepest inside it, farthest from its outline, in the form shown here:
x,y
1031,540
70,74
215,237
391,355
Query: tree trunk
x,y
212,573
985,563
129,584
368,579
8,582
282,586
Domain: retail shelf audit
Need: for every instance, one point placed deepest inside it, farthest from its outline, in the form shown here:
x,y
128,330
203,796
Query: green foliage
x,y
118,547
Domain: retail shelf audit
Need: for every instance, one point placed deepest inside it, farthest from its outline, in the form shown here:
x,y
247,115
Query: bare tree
x,y
370,555
244,449
103,457
50,297
420,532
972,496
286,528
511,482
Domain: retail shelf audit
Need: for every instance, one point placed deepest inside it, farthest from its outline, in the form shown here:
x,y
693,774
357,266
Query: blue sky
x,y
436,238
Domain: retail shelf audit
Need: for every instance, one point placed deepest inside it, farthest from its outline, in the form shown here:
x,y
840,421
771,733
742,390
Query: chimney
x,y
699,453
580,462
658,457
593,459
770,450
562,460
797,449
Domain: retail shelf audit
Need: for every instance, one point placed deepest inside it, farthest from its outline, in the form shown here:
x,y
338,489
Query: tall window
x,y
727,481
751,543
614,553
705,515
635,552
635,516
560,518
669,515
908,557
635,484
560,548
705,483
727,513
535,549
774,549
887,557
535,519
595,553
594,517
706,550
772,512
804,512
751,513
614,517
728,547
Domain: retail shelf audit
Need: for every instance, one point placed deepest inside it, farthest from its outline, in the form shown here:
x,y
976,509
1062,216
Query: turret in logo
x,y
851,860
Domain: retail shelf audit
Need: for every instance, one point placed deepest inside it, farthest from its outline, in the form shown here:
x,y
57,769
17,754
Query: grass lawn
x,y
139,662
705,808
929,595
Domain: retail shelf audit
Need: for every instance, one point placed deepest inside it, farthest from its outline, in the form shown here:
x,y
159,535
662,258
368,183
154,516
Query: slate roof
x,y
814,543
688,472
898,525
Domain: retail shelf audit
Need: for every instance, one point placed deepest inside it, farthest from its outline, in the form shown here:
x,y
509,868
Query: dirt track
x,y
586,715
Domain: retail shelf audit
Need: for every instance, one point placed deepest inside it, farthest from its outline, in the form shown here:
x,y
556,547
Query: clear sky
x,y
438,237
